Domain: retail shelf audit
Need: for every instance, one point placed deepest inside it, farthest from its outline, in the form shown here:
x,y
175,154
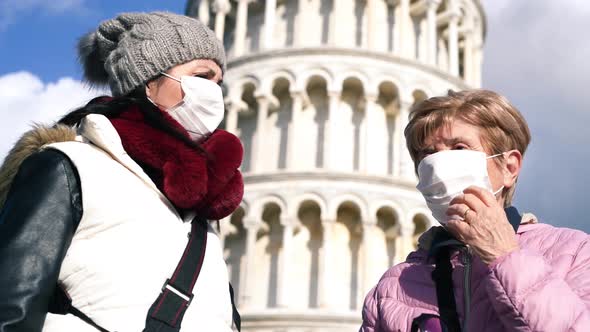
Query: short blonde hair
x,y
502,126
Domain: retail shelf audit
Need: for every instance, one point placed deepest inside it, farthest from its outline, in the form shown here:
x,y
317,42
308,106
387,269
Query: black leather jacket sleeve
x,y
37,223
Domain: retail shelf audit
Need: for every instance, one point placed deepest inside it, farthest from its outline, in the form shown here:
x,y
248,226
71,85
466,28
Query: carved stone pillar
x,y
367,282
468,63
325,275
248,278
269,23
330,134
259,139
368,123
241,27
221,8
432,29
405,24
294,127
454,44
285,271
204,12
406,165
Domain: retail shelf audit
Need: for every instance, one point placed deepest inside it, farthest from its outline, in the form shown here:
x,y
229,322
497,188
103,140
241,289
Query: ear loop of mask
x,y
170,77
494,156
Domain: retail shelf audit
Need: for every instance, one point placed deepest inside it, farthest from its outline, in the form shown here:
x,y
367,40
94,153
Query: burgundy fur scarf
x,y
210,184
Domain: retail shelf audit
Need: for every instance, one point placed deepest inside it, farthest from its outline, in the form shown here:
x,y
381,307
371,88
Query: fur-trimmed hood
x,y
30,142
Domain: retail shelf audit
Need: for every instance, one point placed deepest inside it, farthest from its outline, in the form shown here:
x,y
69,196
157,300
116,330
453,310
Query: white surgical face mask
x,y
445,174
201,110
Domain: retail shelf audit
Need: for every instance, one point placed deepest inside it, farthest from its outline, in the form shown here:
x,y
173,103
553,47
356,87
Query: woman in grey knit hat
x,y
95,210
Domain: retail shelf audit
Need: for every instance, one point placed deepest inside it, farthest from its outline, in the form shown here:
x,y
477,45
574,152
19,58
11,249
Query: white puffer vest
x,y
128,243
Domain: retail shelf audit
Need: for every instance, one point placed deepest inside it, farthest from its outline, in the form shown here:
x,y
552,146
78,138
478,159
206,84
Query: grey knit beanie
x,y
129,50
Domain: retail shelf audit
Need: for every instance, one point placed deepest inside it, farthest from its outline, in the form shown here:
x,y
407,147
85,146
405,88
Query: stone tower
x,y
319,92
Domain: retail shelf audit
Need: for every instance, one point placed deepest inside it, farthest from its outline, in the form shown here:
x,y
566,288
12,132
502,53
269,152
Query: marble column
x,y
241,27
405,163
222,8
477,59
269,22
283,295
294,127
204,12
368,123
372,23
367,282
335,22
300,38
432,29
454,44
406,240
405,24
325,275
231,121
468,64
261,118
248,279
330,133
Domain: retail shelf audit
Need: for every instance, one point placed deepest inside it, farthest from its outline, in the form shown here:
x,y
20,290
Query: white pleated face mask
x,y
445,174
201,110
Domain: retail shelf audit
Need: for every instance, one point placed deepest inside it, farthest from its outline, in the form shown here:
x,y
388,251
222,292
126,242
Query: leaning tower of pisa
x,y
319,93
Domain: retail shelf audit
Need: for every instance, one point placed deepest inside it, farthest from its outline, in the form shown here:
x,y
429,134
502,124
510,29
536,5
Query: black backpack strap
x,y
442,276
166,313
61,304
235,314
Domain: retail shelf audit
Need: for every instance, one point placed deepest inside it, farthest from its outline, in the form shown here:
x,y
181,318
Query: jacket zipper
x,y
466,286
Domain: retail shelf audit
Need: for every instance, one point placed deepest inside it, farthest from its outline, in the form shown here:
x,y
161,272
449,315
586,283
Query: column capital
x,y
371,97
433,4
221,6
406,98
334,93
237,105
287,221
405,104
407,230
228,229
325,222
251,223
454,16
369,223
302,94
392,232
269,99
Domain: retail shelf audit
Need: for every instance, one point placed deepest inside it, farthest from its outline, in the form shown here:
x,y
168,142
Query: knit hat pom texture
x,y
129,50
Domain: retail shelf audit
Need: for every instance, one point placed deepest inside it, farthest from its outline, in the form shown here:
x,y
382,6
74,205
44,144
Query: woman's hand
x,y
479,221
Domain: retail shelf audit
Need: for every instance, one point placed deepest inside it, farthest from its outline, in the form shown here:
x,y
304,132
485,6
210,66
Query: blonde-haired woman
x,y
488,268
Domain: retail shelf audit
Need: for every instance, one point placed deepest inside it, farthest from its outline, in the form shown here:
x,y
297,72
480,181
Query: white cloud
x,y
10,10
26,100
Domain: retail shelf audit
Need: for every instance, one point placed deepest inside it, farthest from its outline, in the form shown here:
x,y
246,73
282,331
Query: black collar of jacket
x,y
442,238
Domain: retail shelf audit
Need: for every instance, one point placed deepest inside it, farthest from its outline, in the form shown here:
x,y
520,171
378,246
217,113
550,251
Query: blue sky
x,y
39,35
536,53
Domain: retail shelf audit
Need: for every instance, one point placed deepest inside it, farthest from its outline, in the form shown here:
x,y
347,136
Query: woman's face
x,y
166,92
463,136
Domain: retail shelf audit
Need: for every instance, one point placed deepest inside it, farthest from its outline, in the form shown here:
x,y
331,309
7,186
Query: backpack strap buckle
x,y
186,297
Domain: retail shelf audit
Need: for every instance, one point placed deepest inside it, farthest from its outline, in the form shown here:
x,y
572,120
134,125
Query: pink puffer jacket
x,y
543,286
